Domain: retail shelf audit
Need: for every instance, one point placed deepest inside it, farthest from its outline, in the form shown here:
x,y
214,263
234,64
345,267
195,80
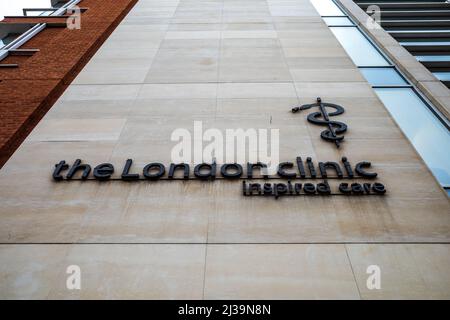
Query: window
x,y
433,58
9,32
327,8
425,43
428,135
417,31
337,21
443,76
383,77
358,47
8,39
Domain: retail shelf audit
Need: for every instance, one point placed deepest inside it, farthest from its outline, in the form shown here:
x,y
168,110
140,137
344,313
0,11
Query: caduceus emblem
x,y
322,118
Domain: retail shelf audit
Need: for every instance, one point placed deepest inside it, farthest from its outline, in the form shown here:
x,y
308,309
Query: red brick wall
x,y
28,92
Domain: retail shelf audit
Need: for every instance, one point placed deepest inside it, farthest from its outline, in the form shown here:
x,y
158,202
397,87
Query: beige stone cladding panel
x,y
408,271
268,271
264,271
106,271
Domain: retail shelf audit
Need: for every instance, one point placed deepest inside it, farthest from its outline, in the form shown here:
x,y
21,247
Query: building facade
x,y
356,207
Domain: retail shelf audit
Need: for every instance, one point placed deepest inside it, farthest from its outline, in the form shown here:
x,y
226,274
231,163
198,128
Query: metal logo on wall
x,y
297,173
322,118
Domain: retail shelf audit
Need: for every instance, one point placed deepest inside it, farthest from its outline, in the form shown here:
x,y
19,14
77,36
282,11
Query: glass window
x,y
443,76
358,47
419,31
428,135
9,32
39,13
425,43
337,21
433,58
327,8
383,77
8,39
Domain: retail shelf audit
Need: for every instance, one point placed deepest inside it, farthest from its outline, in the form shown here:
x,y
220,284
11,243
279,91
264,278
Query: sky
x,y
14,7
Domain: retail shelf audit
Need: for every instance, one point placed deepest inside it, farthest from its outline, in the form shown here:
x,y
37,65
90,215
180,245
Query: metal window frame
x,y
26,10
428,103
440,117
27,35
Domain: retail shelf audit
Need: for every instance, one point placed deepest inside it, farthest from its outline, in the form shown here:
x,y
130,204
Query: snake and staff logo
x,y
336,129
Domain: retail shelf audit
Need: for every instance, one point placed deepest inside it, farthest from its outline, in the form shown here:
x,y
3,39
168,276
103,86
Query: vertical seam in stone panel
x,y
204,270
219,58
353,271
157,53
